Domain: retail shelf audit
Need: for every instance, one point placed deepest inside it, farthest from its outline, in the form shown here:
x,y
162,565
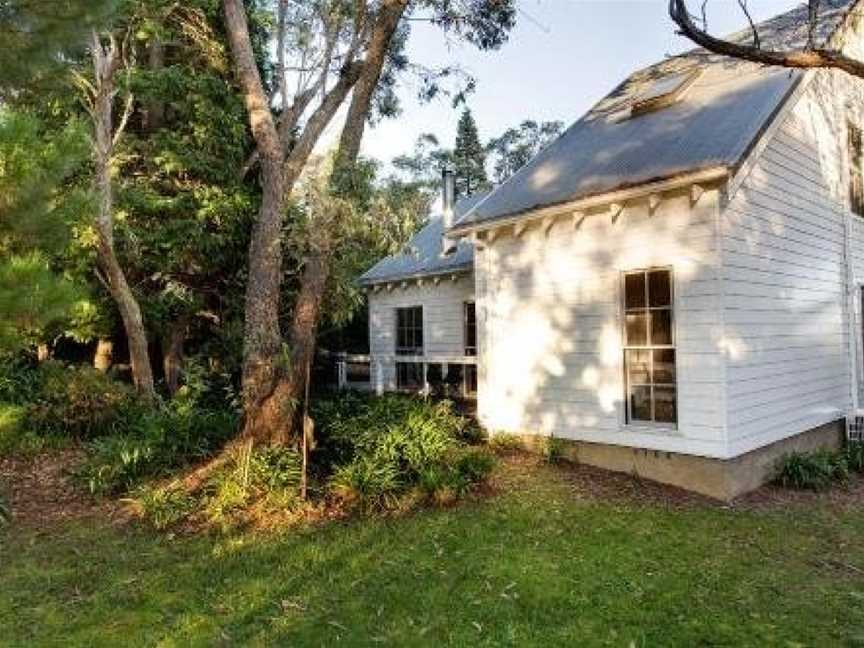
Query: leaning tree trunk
x,y
106,64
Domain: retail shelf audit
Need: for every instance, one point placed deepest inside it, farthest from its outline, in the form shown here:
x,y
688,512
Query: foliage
x,y
39,37
34,225
378,448
552,449
469,157
80,402
515,147
20,381
153,444
18,440
504,443
164,507
854,455
816,470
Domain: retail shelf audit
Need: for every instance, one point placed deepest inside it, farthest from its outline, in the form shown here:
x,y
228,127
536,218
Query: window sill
x,y
655,429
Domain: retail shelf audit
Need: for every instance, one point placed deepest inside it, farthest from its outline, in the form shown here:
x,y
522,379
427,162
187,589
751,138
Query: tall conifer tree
x,y
469,156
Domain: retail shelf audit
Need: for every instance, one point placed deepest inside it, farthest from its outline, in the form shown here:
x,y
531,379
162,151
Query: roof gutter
x,y
703,176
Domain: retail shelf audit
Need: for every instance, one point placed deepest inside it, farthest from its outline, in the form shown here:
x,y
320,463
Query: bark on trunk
x,y
106,64
154,111
173,357
104,356
355,123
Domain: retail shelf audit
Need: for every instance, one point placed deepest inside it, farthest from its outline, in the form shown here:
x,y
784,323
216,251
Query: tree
x,y
33,226
349,44
422,167
109,57
515,147
469,157
39,37
814,52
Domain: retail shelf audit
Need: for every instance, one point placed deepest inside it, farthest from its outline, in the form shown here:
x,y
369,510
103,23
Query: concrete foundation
x,y
717,478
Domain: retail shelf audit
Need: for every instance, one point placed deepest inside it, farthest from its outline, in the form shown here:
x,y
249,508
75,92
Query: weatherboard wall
x,y
550,325
443,334
790,308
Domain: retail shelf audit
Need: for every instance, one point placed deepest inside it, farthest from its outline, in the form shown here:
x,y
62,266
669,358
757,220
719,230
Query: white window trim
x,y
648,427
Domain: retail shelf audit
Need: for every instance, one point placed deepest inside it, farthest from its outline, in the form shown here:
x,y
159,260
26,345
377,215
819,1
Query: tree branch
x,y
815,57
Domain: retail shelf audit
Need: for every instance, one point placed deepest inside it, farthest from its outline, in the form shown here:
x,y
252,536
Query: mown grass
x,y
535,566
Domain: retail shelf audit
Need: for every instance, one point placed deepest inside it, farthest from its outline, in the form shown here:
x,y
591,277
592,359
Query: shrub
x,y
20,380
854,453
158,441
164,507
379,449
505,443
267,477
552,449
816,470
475,466
80,402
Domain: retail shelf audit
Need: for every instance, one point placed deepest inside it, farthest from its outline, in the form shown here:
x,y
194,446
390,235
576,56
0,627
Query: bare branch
x,y
807,58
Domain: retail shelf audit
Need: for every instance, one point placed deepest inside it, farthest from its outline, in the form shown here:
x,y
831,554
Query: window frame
x,y
409,350
856,170
628,419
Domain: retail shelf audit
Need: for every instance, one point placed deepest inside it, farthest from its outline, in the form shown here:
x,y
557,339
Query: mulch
x,y
591,483
42,493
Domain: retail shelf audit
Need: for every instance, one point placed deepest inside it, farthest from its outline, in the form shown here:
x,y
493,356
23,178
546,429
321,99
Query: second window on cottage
x,y
649,348
409,331
470,326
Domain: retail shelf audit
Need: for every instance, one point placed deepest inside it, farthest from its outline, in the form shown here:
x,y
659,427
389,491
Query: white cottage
x,y
674,285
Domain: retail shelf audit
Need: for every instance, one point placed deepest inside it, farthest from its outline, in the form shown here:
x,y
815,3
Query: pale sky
x,y
562,57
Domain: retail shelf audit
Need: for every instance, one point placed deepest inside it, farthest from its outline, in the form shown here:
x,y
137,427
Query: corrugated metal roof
x,y
713,124
422,255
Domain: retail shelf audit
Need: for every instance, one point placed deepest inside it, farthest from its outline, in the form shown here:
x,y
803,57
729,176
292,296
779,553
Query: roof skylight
x,y
663,92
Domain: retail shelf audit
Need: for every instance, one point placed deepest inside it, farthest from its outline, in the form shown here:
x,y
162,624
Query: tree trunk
x,y
104,356
154,111
173,357
106,63
355,123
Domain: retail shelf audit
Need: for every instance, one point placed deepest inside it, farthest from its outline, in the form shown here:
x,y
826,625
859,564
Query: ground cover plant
x,y
560,556
820,469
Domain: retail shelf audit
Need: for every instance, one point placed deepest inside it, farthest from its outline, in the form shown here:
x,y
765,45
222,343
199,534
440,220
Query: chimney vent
x,y
448,201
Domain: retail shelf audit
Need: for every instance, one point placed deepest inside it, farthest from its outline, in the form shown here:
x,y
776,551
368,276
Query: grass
x,y
537,565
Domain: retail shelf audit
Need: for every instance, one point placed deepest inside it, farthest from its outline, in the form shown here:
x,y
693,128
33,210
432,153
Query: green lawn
x,y
541,564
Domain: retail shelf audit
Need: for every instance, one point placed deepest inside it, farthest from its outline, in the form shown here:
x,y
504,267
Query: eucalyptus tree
x,y
328,48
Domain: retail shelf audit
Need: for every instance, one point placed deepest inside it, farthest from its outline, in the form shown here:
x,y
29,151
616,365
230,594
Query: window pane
x,y
637,328
640,403
409,376
470,329
634,290
664,405
661,327
470,380
664,366
659,288
639,367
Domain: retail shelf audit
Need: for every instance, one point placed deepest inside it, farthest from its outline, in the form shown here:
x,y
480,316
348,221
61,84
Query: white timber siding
x,y
792,333
550,325
443,333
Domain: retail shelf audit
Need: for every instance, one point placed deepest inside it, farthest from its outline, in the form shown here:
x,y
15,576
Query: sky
x,y
561,58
